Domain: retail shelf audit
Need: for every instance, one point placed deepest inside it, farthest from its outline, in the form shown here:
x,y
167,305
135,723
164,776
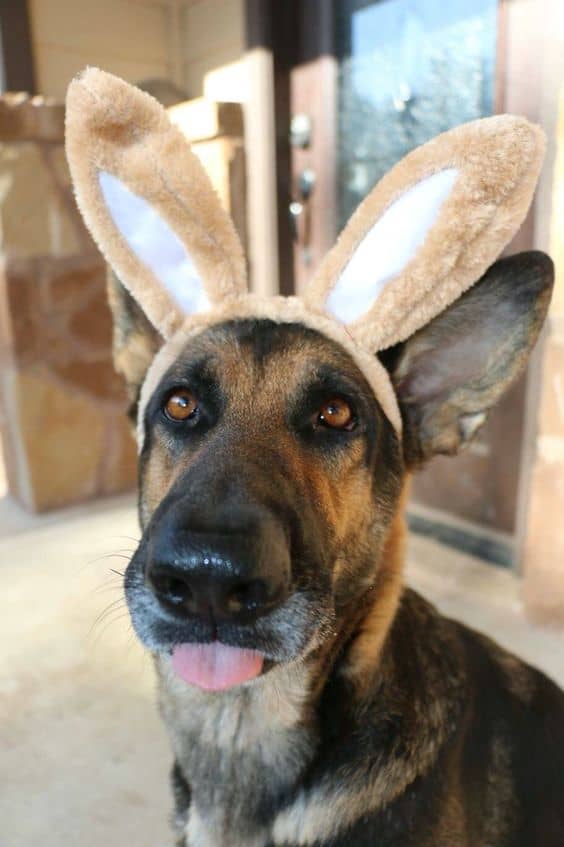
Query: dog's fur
x,y
377,721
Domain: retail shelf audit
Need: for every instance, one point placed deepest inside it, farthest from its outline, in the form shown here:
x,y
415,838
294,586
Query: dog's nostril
x,y
175,590
246,596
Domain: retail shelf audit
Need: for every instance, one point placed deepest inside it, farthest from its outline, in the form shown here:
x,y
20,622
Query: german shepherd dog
x,y
311,699
272,520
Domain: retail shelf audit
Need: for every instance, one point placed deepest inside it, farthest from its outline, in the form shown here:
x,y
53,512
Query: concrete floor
x,y
83,756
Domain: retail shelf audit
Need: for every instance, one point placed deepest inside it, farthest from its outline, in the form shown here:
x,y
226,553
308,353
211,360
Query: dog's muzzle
x,y
228,566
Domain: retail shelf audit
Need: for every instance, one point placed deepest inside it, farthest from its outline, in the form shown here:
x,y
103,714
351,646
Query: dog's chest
x,y
241,755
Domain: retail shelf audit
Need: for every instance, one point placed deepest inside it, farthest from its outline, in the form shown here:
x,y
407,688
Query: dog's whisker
x,y
101,632
110,586
125,537
119,603
117,554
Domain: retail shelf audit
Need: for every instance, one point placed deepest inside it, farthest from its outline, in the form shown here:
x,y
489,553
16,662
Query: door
x,y
373,80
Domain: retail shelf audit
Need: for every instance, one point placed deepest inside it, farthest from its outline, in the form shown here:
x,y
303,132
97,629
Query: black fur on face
x,y
255,483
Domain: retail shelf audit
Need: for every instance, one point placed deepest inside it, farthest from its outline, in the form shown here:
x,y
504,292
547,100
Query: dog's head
x,y
275,435
270,476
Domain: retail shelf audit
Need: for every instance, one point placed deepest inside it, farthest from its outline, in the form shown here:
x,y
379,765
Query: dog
x,y
376,720
311,699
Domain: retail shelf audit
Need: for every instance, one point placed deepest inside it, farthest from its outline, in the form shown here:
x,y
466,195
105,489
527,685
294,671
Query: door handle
x,y
296,210
300,211
306,183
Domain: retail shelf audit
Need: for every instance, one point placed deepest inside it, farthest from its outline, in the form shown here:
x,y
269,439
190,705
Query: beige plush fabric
x,y
499,160
114,127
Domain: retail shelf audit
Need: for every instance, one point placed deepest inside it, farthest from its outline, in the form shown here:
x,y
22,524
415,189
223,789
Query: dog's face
x,y
270,476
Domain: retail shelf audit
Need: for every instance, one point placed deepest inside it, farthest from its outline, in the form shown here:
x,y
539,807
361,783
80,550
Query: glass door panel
x,y
408,70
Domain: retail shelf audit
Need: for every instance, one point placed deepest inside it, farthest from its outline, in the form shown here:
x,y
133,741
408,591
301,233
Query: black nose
x,y
238,574
206,591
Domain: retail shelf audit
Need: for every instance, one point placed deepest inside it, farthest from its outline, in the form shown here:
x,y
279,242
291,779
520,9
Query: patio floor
x,y
83,756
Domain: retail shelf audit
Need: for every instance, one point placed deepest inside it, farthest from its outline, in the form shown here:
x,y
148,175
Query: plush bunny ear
x,y
430,229
148,203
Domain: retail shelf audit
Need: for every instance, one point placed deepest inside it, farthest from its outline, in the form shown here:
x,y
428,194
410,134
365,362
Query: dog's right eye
x,y
180,405
336,414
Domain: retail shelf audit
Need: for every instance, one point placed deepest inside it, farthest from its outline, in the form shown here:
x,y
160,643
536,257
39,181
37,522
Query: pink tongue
x,y
215,666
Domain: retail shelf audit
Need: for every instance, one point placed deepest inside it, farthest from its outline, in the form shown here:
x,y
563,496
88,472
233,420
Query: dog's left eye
x,y
336,414
180,405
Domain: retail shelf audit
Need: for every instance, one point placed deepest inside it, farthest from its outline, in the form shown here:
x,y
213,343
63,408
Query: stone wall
x,y
65,435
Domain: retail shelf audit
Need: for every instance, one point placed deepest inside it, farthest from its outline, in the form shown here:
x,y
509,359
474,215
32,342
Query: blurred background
x,y
296,109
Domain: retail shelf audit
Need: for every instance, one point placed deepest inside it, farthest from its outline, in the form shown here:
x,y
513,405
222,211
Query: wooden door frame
x,y
16,54
313,91
270,36
298,36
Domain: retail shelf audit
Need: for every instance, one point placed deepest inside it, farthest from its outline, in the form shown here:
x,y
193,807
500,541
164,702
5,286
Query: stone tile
x,y
37,211
20,283
97,379
92,324
71,283
24,118
67,446
66,435
120,467
62,439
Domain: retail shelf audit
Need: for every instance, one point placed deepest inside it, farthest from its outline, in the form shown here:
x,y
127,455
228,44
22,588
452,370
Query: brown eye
x,y
336,414
180,405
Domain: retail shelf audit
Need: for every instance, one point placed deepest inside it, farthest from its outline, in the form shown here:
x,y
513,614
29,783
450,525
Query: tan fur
x,y
318,814
341,798
249,716
254,721
364,653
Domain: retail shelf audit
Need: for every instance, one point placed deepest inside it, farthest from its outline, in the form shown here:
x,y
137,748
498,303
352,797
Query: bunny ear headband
x,y
428,230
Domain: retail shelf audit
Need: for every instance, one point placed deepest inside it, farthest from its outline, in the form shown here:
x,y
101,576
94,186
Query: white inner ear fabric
x,y
155,244
389,246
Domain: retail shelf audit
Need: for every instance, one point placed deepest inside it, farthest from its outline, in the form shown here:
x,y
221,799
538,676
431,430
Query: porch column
x,y
543,547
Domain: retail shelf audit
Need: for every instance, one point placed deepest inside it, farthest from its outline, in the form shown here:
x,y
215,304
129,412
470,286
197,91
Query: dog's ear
x,y
450,373
136,341
148,202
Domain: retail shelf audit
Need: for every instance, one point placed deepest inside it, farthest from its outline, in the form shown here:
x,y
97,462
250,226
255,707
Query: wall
x,y
136,39
213,36
127,37
65,434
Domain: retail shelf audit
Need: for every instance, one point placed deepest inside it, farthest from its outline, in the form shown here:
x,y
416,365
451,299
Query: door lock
x,y
300,130
300,213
